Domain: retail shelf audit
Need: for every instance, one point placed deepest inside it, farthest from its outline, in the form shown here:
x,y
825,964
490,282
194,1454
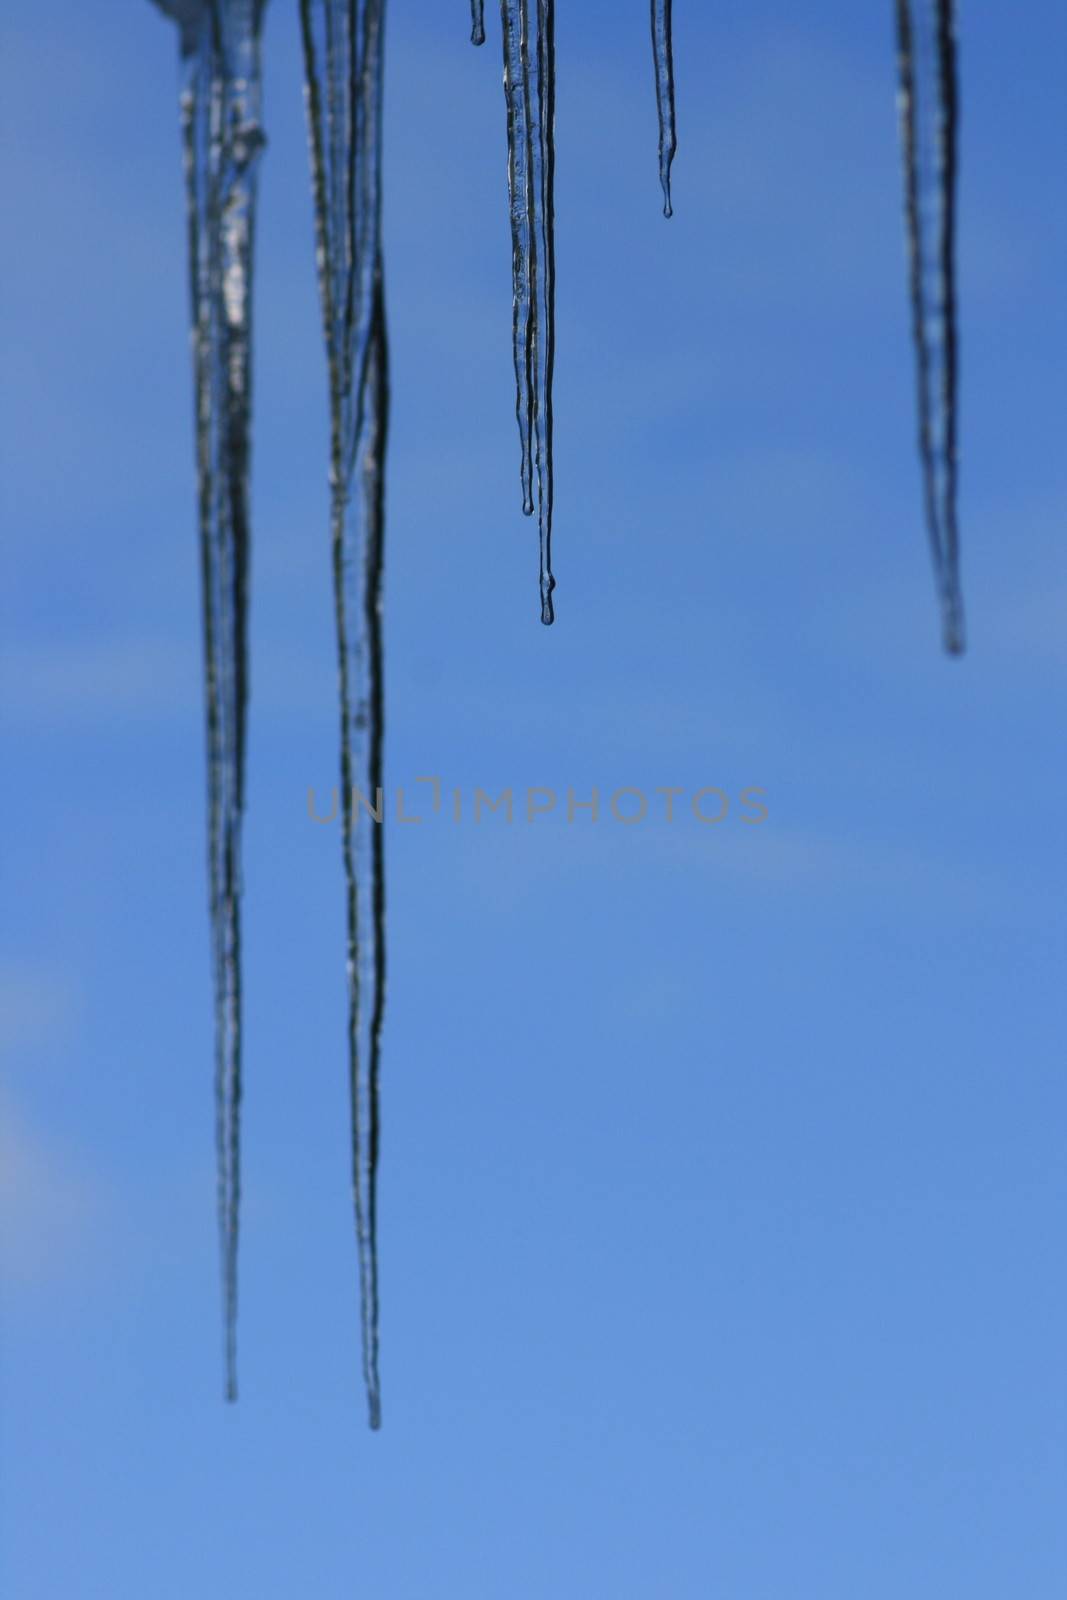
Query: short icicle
x,y
343,42
663,55
529,90
477,21
928,122
221,139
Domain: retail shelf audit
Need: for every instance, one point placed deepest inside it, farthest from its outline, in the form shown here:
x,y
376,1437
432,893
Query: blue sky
x,y
723,1174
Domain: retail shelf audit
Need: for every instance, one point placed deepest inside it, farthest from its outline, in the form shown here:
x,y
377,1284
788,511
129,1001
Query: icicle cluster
x,y
928,122
530,93
343,85
222,138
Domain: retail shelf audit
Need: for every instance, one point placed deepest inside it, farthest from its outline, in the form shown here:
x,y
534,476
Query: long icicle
x,y
221,141
663,55
545,302
928,122
343,42
529,90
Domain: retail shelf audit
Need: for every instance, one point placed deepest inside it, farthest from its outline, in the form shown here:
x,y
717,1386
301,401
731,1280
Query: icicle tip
x,y
477,21
953,632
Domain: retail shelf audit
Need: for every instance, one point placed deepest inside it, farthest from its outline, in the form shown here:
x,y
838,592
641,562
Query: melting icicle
x,y
663,53
477,21
530,92
928,119
343,65
222,137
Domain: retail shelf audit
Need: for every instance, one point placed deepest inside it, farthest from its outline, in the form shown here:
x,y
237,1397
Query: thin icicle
x,y
544,332
519,202
221,140
343,85
663,54
928,120
529,89
477,21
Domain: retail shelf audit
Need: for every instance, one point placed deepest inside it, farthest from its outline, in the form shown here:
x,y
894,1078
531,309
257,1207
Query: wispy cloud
x,y
37,1006
99,680
82,681
50,1205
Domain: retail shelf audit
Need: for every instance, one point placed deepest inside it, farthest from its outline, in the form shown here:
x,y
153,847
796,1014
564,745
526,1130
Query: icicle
x,y
515,65
343,65
221,139
928,119
663,54
529,89
477,21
